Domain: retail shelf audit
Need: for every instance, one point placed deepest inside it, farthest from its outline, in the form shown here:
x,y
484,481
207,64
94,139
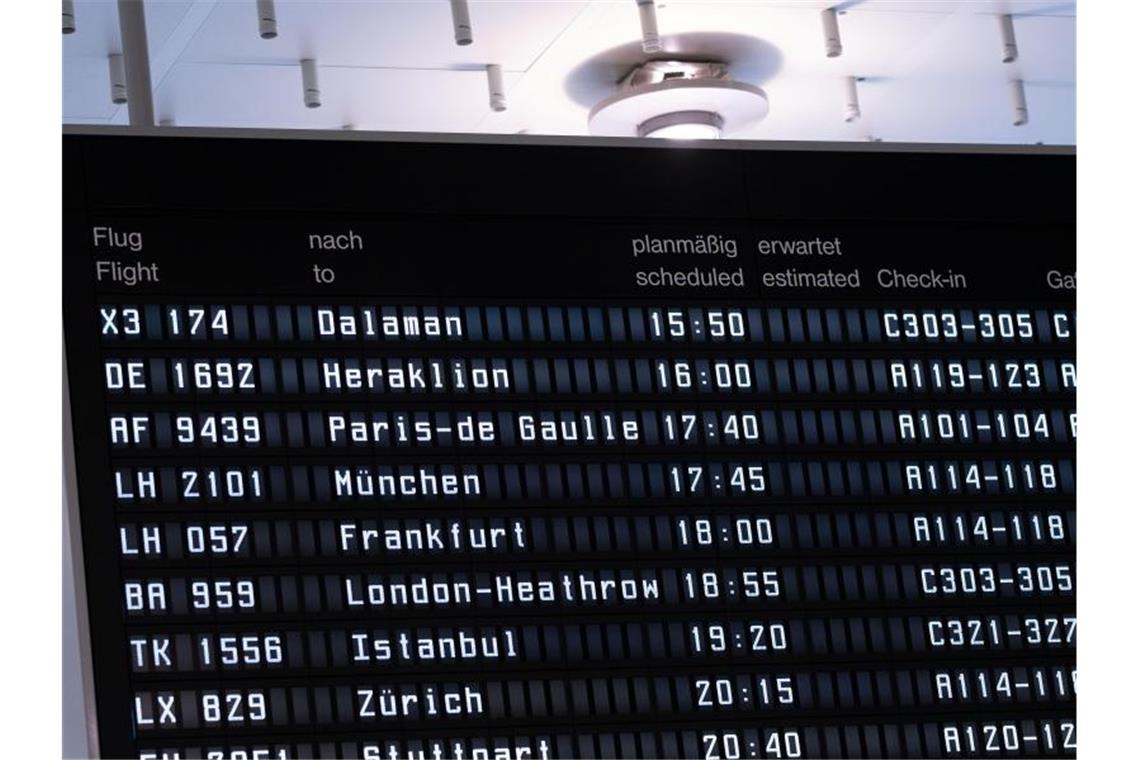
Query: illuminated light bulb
x,y
687,132
683,125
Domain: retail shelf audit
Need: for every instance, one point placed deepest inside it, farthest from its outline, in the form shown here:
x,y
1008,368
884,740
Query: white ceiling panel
x,y
992,7
932,68
86,92
872,42
408,34
97,26
964,111
1047,48
819,117
86,83
202,94
96,31
1037,7
969,45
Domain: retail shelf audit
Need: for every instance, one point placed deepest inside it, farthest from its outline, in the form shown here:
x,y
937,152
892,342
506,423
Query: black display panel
x,y
403,449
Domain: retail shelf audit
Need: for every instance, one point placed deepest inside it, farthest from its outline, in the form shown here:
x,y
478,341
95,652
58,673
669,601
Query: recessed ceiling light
x,y
683,125
679,99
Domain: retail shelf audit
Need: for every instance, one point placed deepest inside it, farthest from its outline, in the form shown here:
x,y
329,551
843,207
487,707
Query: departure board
x,y
522,449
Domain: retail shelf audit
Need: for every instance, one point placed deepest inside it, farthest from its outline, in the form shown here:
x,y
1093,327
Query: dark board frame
x,y
264,172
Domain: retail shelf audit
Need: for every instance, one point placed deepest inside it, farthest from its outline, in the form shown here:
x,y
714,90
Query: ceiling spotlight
x,y
1017,101
691,100
118,73
310,84
851,110
461,19
832,45
650,39
497,95
69,16
1008,40
266,19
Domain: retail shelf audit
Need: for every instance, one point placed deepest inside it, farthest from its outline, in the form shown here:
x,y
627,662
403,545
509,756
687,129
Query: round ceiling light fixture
x,y
688,100
683,125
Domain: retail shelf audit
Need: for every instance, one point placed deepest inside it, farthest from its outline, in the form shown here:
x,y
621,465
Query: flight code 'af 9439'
x,y
753,426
